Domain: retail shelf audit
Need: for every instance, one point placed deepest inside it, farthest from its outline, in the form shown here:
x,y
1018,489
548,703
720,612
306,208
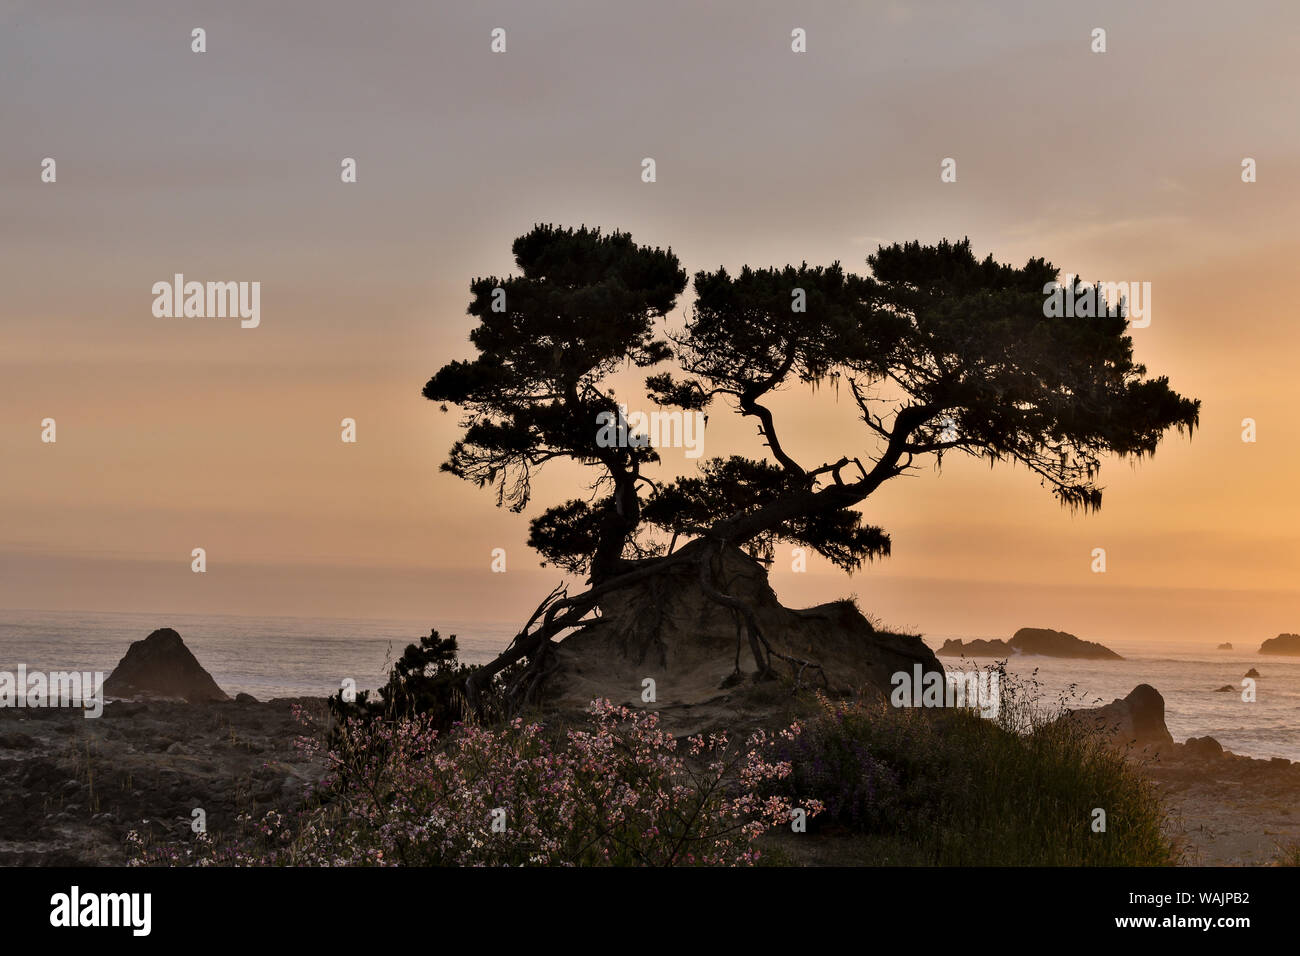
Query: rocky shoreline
x,y
77,786
1228,810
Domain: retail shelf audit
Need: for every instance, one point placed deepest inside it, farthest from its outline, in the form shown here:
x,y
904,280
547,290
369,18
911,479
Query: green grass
x,y
911,786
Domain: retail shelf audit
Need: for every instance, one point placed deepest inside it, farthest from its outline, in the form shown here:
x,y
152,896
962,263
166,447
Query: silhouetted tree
x,y
940,352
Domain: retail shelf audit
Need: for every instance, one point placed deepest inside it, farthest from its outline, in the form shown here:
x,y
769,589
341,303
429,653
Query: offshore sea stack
x,y
1041,641
1282,644
162,666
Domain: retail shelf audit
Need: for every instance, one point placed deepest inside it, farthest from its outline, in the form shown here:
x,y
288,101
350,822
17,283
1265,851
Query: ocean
x,y
263,656
289,657
1187,675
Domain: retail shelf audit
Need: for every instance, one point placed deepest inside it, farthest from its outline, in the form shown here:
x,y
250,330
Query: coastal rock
x,y
245,699
232,751
1282,644
1206,747
1251,673
1225,647
1041,641
1224,689
162,665
1138,718
666,629
976,648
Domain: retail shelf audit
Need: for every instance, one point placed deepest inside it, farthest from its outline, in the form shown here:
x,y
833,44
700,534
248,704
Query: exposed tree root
x,y
759,646
560,612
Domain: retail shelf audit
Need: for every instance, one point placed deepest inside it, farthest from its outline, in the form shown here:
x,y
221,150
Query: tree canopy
x,y
547,339
941,352
980,366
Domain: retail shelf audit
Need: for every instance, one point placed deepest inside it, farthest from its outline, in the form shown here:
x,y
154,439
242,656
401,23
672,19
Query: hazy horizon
x,y
182,433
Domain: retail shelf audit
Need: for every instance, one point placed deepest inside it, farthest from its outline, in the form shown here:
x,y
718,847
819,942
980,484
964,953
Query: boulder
x,y
245,699
1206,747
161,665
1138,718
1251,673
1282,644
1041,641
666,628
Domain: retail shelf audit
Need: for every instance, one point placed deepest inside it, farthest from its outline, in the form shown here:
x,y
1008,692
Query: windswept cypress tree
x,y
940,352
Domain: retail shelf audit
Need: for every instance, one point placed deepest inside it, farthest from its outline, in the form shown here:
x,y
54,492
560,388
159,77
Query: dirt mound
x,y
696,651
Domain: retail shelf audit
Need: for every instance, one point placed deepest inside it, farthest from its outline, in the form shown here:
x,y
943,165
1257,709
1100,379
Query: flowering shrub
x,y
620,791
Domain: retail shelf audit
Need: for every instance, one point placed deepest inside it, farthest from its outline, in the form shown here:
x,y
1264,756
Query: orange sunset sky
x,y
183,433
